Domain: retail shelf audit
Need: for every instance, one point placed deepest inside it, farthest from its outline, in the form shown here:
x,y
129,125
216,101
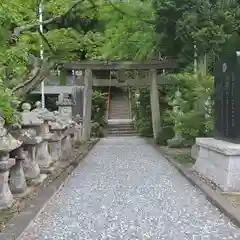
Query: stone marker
x,y
195,151
219,157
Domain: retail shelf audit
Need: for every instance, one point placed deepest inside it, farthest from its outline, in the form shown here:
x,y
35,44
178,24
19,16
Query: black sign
x,y
227,98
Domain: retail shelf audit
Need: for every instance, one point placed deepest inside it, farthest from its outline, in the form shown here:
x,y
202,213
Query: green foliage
x,y
8,106
207,24
166,133
124,30
97,130
195,119
98,113
127,35
99,107
142,113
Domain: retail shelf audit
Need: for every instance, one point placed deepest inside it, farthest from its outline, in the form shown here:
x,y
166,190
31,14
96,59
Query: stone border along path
x,y
125,190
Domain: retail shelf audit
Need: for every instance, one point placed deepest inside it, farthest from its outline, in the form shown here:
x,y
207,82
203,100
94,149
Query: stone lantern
x,y
30,126
65,115
43,156
7,144
57,128
78,134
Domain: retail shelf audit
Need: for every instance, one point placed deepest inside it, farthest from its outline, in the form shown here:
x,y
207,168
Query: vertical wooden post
x,y
155,107
87,104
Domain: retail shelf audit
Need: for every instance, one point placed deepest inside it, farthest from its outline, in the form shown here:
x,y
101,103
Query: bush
x,y
99,108
8,106
196,120
98,114
141,109
144,127
97,130
166,133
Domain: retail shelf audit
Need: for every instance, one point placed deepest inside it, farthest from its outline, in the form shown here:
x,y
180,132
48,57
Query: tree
x,y
22,40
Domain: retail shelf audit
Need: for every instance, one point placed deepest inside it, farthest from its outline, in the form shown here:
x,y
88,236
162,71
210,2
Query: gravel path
x,y
125,190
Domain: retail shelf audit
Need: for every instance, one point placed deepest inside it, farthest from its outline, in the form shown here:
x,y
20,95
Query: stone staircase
x,y
119,107
119,121
121,128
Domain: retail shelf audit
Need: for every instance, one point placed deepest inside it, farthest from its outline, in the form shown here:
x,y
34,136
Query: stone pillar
x,y
17,179
67,144
58,128
87,107
6,197
43,157
79,129
155,107
55,147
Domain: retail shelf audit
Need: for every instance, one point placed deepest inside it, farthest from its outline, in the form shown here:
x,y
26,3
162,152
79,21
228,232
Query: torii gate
x,y
152,80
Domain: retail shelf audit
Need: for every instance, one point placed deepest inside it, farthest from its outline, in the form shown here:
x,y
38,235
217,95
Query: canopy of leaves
x,y
107,29
208,24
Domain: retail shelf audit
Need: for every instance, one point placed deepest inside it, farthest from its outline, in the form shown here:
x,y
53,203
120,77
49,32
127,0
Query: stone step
x,y
119,113
119,107
122,133
117,110
120,129
121,126
118,116
119,102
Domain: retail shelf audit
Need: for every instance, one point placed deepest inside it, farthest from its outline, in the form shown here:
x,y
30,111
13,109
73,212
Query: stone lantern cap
x,y
59,124
30,118
7,142
64,100
78,119
27,136
56,126
43,112
61,121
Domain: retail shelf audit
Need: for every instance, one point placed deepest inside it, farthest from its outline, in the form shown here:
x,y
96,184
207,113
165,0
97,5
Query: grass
x,y
184,159
7,214
180,155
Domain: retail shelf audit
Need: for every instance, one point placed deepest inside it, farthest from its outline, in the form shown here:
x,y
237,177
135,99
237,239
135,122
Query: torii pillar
x,y
87,104
155,106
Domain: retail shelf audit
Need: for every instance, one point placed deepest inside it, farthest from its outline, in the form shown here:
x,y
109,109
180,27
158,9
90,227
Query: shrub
x,y
196,118
166,133
141,109
8,106
99,108
97,130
